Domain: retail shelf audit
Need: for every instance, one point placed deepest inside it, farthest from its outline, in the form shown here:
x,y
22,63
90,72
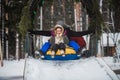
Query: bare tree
x,y
111,31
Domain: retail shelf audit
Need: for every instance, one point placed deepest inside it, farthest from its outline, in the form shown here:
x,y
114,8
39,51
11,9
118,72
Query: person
x,y
76,41
67,31
58,41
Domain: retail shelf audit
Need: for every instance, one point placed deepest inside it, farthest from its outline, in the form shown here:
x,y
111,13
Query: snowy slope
x,y
83,69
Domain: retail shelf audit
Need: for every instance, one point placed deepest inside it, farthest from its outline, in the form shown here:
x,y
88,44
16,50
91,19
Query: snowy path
x,y
83,69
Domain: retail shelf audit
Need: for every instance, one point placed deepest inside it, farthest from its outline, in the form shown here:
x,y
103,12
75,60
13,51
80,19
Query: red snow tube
x,y
79,40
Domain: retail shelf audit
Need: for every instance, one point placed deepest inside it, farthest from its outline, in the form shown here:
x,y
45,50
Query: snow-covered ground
x,y
12,70
111,63
82,69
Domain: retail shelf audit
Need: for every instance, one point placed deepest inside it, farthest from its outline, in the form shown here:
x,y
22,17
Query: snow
x,y
111,63
12,70
111,37
83,69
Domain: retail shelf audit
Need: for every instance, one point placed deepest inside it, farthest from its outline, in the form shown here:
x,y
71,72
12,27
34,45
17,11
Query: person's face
x,y
58,31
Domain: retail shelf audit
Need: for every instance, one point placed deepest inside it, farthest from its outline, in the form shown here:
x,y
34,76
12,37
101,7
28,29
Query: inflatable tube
x,y
59,57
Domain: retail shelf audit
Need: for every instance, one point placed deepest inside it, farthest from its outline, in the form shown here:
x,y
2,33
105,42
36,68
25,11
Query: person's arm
x,y
40,32
52,40
78,34
66,40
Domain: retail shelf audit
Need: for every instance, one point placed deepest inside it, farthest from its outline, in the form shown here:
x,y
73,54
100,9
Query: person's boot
x,y
52,54
87,53
62,53
79,52
37,54
41,54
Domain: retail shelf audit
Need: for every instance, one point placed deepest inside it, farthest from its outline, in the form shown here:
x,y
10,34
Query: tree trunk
x,y
93,45
17,46
1,54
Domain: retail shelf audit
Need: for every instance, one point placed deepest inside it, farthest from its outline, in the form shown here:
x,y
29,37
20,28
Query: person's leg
x,y
44,49
54,49
62,48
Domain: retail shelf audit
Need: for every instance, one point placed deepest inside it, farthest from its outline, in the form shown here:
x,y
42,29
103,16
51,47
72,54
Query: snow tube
x,y
45,47
59,57
74,45
70,54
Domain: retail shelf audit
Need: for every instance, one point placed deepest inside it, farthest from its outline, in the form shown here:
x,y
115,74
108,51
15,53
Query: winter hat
x,y
58,26
60,22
